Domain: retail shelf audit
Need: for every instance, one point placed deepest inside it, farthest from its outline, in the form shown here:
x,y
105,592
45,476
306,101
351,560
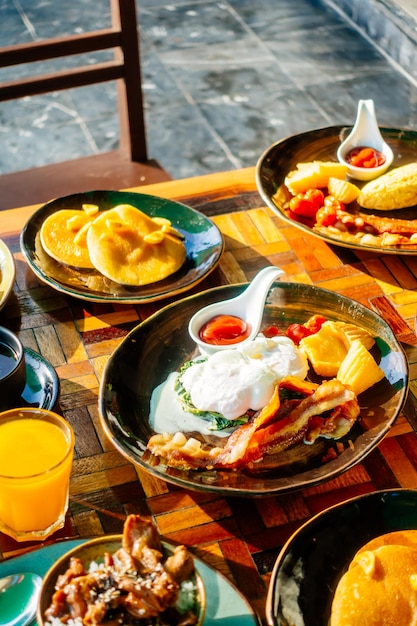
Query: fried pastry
x,y
343,190
130,248
352,332
326,349
313,175
395,190
359,369
380,587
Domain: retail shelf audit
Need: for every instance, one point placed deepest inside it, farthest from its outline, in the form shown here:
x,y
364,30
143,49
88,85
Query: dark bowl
x,y
161,344
12,369
321,145
311,563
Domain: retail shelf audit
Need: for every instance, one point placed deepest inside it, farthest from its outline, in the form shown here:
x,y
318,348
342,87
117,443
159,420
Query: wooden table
x,y
240,537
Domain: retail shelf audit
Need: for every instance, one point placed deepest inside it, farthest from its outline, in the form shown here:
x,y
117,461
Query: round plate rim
x,y
232,491
108,298
336,129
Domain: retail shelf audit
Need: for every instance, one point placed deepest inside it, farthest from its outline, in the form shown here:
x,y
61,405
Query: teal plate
x,y
203,242
310,564
225,604
321,145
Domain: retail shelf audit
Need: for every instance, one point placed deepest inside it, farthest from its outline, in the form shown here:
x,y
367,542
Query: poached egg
x,y
231,382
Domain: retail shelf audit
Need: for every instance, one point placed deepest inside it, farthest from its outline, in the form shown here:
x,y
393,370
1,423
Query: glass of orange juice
x,y
36,451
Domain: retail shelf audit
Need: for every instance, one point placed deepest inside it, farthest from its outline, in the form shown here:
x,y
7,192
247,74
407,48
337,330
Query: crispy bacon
x,y
327,410
390,224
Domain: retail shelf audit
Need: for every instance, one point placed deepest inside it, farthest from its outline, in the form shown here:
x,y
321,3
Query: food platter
x,y
203,242
310,564
161,344
321,145
7,273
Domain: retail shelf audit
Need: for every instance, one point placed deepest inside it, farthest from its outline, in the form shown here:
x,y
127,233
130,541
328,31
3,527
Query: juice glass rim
x,y
39,413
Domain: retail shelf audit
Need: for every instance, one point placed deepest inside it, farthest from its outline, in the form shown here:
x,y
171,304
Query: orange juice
x,y
36,448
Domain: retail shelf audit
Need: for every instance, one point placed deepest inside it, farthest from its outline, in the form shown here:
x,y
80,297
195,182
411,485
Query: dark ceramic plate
x,y
161,344
321,145
309,566
203,242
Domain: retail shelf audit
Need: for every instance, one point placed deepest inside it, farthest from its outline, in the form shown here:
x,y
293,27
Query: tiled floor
x,y
223,79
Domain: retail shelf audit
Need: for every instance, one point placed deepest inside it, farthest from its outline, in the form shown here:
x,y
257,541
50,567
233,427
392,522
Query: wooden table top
x,y
241,537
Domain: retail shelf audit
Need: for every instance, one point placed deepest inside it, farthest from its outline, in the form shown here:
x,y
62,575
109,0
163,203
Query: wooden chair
x,y
128,166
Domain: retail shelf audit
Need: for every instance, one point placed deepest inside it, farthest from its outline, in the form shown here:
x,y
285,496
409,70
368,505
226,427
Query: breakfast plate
x,y
321,145
225,604
310,564
7,273
161,344
203,242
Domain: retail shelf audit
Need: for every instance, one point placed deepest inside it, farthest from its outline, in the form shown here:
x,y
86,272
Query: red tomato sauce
x,y
365,157
224,330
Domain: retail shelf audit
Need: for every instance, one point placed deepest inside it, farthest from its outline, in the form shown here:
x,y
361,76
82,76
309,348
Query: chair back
x,y
125,67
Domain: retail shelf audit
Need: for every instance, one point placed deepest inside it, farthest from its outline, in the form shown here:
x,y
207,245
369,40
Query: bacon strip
x,y
390,224
276,428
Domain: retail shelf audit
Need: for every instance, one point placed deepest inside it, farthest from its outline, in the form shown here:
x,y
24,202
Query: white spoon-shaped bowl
x,y
248,306
365,133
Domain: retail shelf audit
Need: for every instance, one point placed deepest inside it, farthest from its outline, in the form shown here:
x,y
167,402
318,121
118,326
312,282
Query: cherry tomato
x,y
296,332
365,157
316,196
271,331
300,205
315,322
224,329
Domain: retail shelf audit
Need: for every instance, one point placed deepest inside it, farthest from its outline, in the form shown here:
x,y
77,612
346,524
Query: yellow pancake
x,y
130,248
64,237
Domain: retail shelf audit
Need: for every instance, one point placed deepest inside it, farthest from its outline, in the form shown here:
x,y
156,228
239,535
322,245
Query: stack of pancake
x,y
124,244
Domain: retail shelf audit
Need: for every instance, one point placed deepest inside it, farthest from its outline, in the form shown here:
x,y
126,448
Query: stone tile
x,y
13,30
35,146
177,26
185,144
395,99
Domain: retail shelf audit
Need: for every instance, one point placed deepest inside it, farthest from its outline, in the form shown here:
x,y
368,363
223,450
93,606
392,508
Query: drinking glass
x,y
36,452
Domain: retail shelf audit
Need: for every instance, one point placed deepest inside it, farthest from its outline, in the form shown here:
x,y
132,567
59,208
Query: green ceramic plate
x,y
311,563
161,344
203,242
7,273
225,604
321,145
